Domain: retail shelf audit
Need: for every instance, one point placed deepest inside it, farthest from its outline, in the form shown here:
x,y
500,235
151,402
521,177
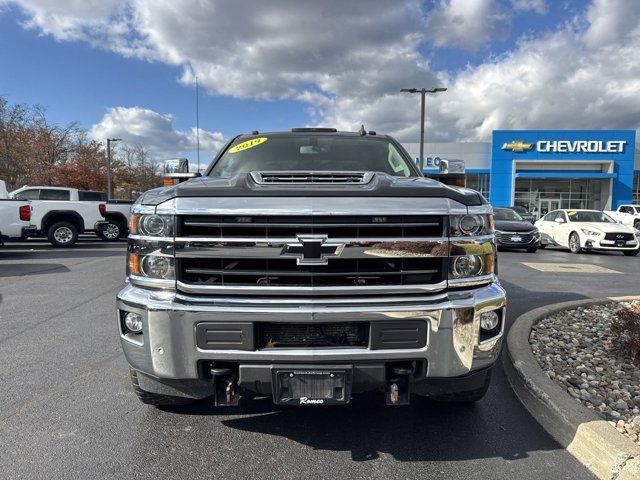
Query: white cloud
x,y
611,21
467,24
154,131
69,19
538,6
347,60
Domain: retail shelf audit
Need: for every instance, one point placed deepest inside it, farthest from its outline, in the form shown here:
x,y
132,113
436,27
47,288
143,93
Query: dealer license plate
x,y
516,238
312,386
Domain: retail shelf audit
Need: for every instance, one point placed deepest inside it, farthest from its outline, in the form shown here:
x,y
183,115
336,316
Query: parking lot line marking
x,y
569,268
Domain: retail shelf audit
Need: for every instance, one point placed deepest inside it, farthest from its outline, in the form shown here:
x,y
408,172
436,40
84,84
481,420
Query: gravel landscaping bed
x,y
577,350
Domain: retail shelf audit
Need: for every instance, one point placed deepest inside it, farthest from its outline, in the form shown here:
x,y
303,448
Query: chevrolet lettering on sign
x,y
580,146
566,146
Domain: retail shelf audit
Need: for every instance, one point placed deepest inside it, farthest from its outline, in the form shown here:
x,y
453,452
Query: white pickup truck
x,y
627,215
61,214
116,220
15,217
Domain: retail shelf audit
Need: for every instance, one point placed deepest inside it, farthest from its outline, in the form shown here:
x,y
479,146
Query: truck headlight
x,y
466,266
471,224
151,266
151,225
156,267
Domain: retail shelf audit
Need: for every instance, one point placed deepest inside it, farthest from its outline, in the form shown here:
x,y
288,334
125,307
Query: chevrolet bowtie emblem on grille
x,y
312,250
517,146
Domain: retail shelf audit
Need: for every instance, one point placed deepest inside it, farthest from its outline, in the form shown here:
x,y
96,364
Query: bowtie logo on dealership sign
x,y
312,250
517,146
567,146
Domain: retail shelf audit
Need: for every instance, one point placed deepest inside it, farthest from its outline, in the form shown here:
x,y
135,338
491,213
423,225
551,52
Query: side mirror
x,y
559,220
177,169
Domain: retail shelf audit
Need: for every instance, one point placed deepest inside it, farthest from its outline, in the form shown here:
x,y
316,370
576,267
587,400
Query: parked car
x,y
309,266
627,215
512,231
116,220
61,214
526,215
585,230
15,217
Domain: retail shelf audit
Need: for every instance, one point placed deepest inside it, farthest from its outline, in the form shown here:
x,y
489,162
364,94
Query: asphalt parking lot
x,y
67,410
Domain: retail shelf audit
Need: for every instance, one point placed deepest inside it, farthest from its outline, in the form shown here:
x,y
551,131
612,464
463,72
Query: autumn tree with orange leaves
x,y
34,151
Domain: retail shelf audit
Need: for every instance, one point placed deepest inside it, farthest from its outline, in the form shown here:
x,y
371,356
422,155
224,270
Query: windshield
x,y
312,153
506,214
589,216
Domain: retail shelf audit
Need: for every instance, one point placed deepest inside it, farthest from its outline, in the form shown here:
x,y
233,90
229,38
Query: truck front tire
x,y
113,231
63,234
152,398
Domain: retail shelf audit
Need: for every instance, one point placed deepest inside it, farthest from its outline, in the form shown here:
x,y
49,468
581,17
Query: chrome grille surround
x,y
223,262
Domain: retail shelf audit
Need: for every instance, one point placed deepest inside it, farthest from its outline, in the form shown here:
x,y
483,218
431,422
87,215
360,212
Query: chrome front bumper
x,y
167,348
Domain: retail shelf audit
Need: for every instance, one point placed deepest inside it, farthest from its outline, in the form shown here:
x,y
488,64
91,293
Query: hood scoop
x,y
311,178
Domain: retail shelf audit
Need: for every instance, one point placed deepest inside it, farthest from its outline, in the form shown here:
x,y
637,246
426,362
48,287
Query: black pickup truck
x,y
311,266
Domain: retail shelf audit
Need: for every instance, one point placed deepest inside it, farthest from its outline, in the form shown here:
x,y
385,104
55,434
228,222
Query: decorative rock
x,y
574,348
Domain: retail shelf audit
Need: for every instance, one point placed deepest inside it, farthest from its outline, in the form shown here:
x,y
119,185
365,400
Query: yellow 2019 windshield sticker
x,y
248,144
571,213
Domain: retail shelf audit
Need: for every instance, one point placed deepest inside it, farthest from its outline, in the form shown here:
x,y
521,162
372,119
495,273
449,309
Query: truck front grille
x,y
285,272
321,254
347,227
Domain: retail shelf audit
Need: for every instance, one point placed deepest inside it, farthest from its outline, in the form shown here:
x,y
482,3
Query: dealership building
x,y
543,170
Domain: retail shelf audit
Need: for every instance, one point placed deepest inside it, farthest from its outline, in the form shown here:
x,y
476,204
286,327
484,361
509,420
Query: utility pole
x,y
197,124
109,189
422,91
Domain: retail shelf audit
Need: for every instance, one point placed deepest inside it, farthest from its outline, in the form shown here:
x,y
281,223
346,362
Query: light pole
x,y
422,91
109,140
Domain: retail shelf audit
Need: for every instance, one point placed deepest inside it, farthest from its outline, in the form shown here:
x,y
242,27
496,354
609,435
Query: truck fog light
x,y
133,322
466,266
489,321
156,267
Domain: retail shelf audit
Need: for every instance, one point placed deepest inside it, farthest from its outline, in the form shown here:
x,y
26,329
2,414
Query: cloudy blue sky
x,y
126,68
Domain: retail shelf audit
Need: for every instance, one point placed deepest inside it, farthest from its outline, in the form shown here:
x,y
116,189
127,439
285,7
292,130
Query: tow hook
x,y
397,392
225,387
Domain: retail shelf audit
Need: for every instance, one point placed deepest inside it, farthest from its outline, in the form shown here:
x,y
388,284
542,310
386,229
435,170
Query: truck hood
x,y
381,185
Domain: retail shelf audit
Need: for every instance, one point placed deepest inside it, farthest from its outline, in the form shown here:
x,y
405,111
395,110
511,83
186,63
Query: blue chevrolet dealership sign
x,y
511,149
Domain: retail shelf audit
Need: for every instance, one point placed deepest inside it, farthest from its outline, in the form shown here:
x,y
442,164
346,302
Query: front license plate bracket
x,y
312,385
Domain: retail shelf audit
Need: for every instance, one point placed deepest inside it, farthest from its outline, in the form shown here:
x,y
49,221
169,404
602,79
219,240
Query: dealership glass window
x,y
636,188
479,182
540,196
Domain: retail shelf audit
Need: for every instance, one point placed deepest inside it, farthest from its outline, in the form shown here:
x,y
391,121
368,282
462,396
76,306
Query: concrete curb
x,y
589,438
